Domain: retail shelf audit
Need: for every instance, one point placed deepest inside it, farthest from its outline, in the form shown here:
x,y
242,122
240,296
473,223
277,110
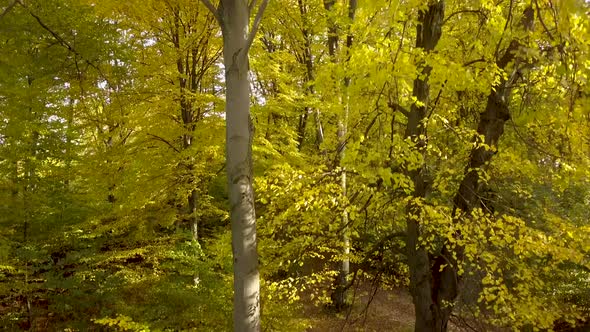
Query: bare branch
x,y
255,26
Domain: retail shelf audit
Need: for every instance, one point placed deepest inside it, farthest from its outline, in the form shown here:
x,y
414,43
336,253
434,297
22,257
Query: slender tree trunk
x,y
186,81
191,63
428,33
307,60
239,134
340,297
192,206
28,194
233,17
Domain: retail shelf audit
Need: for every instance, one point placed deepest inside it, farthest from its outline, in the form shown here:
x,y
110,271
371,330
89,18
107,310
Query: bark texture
x,y
233,16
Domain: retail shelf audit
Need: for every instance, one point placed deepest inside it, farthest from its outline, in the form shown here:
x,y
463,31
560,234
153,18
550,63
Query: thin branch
x,y
401,44
469,63
220,170
213,10
473,11
255,26
437,99
508,20
463,321
532,144
163,140
64,43
124,139
397,107
541,20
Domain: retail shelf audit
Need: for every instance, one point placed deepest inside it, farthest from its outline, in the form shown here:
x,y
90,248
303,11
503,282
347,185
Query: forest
x,y
295,165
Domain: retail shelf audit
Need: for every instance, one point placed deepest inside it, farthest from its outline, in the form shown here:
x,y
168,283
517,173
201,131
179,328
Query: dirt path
x,y
389,310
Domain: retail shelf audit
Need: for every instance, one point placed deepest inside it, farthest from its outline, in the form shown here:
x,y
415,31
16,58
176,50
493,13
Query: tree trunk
x,y
468,197
307,60
428,32
192,206
339,297
234,18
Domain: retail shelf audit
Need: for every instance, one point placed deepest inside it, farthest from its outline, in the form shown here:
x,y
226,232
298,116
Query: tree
x,y
428,33
233,17
339,296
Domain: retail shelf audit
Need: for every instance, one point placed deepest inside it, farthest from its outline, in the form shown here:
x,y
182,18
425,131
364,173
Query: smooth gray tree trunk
x,y
233,17
239,132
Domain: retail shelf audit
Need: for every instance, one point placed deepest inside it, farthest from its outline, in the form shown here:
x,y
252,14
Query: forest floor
x,y
380,310
386,310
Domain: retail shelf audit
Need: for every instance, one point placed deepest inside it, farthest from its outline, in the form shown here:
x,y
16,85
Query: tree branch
x,y
472,11
255,25
541,20
213,10
64,43
508,19
397,107
164,141
469,63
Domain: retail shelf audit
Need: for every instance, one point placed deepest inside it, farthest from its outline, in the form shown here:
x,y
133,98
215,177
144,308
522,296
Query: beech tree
x,y
233,17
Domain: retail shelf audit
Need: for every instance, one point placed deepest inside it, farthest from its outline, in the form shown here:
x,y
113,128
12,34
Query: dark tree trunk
x,y
446,280
307,60
428,316
192,62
